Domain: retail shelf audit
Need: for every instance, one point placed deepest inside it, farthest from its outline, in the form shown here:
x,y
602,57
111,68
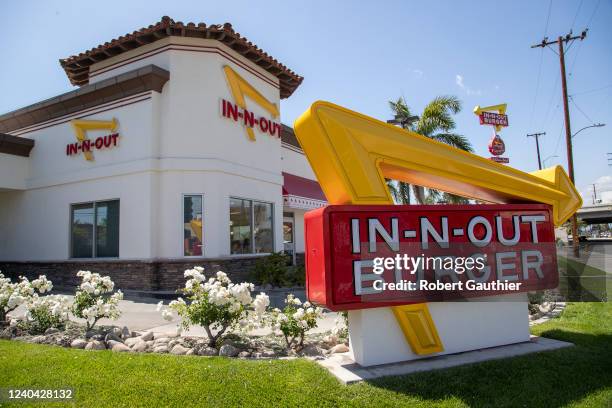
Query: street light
x,y
586,127
548,158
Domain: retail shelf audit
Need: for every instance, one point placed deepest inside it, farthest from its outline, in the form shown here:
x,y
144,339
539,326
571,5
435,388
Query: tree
x,y
436,123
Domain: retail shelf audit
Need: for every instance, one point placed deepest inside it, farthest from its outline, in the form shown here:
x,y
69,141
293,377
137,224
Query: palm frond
x,y
455,140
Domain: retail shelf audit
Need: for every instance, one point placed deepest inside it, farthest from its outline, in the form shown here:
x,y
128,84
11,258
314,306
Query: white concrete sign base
x,y
376,338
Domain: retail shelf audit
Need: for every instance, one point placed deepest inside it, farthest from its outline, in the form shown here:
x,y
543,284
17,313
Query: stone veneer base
x,y
136,275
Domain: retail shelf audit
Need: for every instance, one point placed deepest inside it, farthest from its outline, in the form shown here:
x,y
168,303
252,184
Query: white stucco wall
x,y
170,144
13,171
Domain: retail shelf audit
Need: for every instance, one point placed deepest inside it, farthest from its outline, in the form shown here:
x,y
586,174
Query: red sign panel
x,y
490,118
372,256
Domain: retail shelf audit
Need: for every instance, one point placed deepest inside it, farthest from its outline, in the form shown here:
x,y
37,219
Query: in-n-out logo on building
x,y
238,111
87,146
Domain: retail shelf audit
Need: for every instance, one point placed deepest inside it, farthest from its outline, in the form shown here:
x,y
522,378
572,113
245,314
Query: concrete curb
x,y
347,371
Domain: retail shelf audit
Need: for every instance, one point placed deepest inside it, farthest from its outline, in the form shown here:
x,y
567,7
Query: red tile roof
x,y
77,66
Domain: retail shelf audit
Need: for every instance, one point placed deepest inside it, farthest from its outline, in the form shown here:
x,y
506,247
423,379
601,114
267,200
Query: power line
x,y
580,110
537,88
576,16
592,90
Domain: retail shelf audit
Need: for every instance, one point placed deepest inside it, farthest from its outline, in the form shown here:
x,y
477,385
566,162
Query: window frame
x,y
182,226
94,229
252,235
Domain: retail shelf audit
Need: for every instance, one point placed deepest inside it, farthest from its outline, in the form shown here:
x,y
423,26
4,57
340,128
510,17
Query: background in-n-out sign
x,y
516,240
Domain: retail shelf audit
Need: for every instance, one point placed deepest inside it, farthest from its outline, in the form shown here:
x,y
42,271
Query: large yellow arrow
x,y
352,154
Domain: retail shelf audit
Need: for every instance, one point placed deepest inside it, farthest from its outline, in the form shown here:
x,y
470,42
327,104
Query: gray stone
x,y
133,340
339,348
78,343
139,347
51,330
206,351
179,350
39,339
173,343
268,353
161,349
147,336
95,345
120,348
135,334
112,337
116,331
125,333
162,340
228,350
244,354
311,350
112,343
190,352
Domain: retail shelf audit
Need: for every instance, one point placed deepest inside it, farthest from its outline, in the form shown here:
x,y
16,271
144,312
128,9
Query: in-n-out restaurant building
x,y
170,153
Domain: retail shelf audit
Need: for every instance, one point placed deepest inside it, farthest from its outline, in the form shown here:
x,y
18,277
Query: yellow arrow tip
x,y
572,201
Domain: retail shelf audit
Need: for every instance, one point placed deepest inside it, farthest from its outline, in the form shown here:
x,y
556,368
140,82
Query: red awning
x,y
300,192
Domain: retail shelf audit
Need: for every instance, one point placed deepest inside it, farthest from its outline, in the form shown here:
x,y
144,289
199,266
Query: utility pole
x,y
537,136
561,41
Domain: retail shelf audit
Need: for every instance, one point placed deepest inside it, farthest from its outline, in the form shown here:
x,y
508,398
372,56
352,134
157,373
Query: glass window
x,y
192,225
107,229
251,226
82,230
240,226
95,230
262,215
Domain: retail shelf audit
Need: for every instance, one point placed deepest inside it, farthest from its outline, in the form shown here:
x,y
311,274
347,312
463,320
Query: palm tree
x,y
436,123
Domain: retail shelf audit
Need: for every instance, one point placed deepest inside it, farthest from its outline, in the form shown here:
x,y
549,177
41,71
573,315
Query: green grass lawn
x,y
577,376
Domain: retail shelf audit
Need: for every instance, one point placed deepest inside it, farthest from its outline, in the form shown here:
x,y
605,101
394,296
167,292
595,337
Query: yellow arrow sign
x,y
352,154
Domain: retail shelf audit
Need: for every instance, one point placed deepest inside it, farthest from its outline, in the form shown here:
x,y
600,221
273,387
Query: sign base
x,y
375,337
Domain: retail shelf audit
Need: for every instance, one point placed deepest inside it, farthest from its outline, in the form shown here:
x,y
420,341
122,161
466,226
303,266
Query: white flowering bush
x,y
217,304
95,299
14,294
295,320
44,312
340,328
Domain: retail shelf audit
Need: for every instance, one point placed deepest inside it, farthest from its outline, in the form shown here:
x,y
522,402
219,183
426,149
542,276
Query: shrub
x,y
44,312
341,325
95,299
271,269
14,294
217,304
295,320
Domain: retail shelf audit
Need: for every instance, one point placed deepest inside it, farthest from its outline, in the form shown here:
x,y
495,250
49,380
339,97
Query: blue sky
x,y
360,55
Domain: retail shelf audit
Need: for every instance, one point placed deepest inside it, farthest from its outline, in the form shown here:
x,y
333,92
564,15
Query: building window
x,y
251,227
193,209
95,229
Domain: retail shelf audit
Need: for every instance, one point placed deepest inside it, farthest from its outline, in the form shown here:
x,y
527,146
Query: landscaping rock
x,y
140,347
203,350
161,340
179,350
166,335
311,350
125,333
120,348
98,337
78,343
161,349
228,350
38,339
190,352
135,334
133,340
95,345
51,330
147,336
268,353
116,331
112,343
339,348
244,354
112,337
173,343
